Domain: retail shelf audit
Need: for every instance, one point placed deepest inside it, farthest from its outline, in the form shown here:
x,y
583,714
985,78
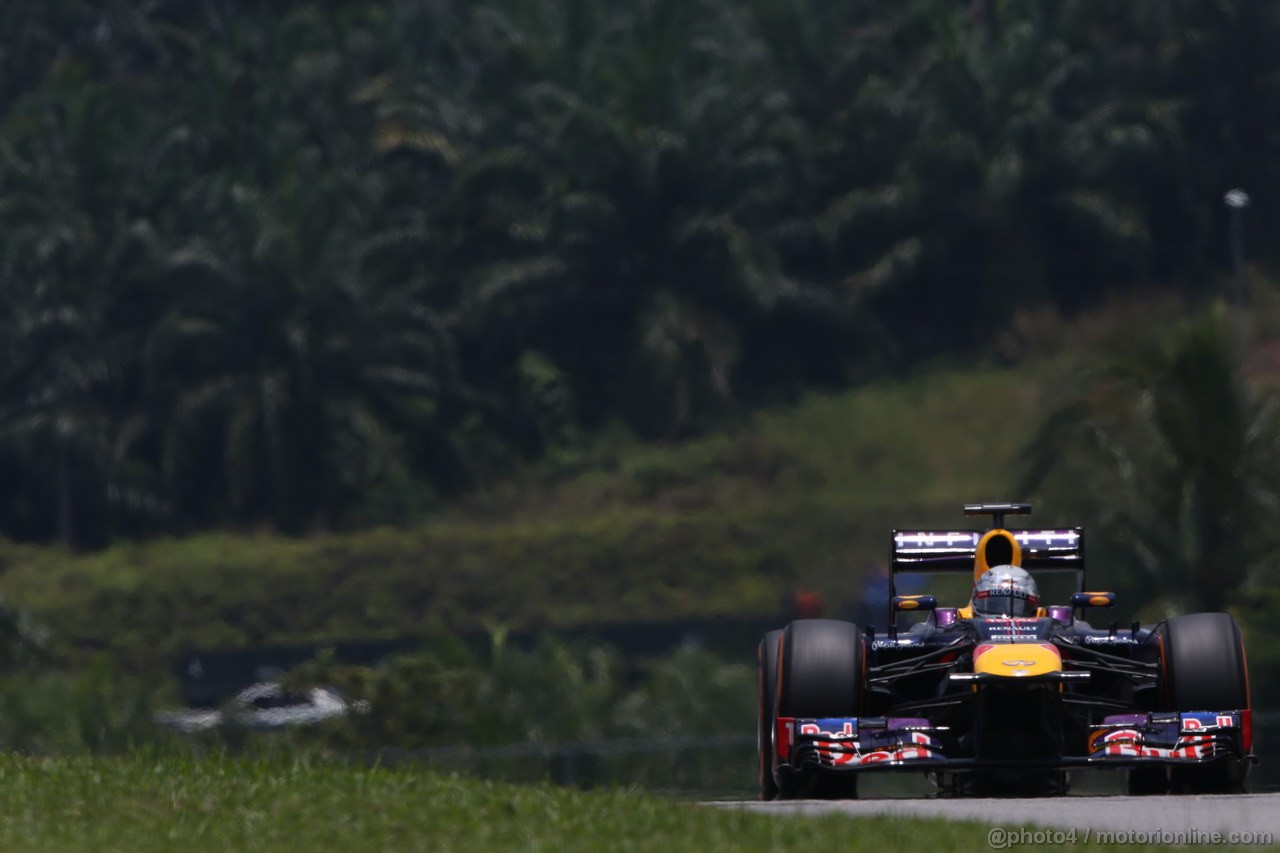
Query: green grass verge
x,y
167,803
727,525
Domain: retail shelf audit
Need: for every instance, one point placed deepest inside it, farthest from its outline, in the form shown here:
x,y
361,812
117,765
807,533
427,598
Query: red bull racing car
x,y
1003,696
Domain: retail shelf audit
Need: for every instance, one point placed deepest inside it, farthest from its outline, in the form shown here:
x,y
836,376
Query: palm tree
x,y
630,196
1175,460
303,372
1004,193
71,243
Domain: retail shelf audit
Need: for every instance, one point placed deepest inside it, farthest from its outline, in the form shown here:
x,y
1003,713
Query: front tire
x,y
1203,661
767,681
821,673
822,669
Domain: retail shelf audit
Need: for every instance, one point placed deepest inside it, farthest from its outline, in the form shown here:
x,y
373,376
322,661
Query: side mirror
x,y
1093,599
914,602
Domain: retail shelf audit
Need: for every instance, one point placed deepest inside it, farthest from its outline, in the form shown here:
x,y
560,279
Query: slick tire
x,y
1203,664
822,669
768,686
821,673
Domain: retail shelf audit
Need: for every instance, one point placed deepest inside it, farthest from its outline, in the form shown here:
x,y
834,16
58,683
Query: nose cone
x,y
1017,660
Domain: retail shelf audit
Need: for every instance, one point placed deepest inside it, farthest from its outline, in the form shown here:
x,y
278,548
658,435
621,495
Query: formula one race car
x,y
1003,696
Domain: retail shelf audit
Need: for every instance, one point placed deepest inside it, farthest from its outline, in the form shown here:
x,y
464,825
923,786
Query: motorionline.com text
x,y
1002,838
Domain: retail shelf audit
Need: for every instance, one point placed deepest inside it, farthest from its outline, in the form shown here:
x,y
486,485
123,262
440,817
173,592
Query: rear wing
x,y
956,550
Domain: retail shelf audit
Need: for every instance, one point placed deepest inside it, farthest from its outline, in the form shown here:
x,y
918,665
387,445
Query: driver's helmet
x,y
1006,591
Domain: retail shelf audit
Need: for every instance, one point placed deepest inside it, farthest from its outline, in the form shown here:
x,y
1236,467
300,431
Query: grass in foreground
x,y
168,803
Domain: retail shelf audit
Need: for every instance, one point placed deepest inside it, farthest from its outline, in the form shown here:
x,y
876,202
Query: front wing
x,y
1125,740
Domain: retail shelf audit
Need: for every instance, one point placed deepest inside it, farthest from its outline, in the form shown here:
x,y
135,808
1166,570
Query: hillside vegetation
x,y
1140,428
729,525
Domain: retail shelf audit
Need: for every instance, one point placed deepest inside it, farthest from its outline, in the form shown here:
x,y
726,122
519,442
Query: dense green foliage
x,y
729,525
162,802
577,713
555,693
734,523
580,714
327,265
95,710
1170,456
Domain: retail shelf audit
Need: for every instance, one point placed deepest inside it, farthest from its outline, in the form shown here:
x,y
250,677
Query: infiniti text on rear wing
x,y
955,550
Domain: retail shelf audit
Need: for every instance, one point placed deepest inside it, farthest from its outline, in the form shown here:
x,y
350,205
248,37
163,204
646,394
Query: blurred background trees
x,y
1172,461
327,267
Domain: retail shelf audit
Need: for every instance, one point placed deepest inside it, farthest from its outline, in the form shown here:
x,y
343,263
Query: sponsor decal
x,y
833,729
843,758
1101,739
892,746
1014,628
1133,742
782,738
1198,721
893,644
927,540
852,735
1108,640
1196,736
1048,538
910,753
1023,658
1129,750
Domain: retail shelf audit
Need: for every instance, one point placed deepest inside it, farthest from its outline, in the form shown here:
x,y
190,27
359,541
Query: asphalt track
x,y
1247,813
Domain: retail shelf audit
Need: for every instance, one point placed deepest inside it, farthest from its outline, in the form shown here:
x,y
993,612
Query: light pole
x,y
1238,200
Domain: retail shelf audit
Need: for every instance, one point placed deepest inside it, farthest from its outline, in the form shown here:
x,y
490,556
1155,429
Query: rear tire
x,y
1202,657
768,686
821,673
